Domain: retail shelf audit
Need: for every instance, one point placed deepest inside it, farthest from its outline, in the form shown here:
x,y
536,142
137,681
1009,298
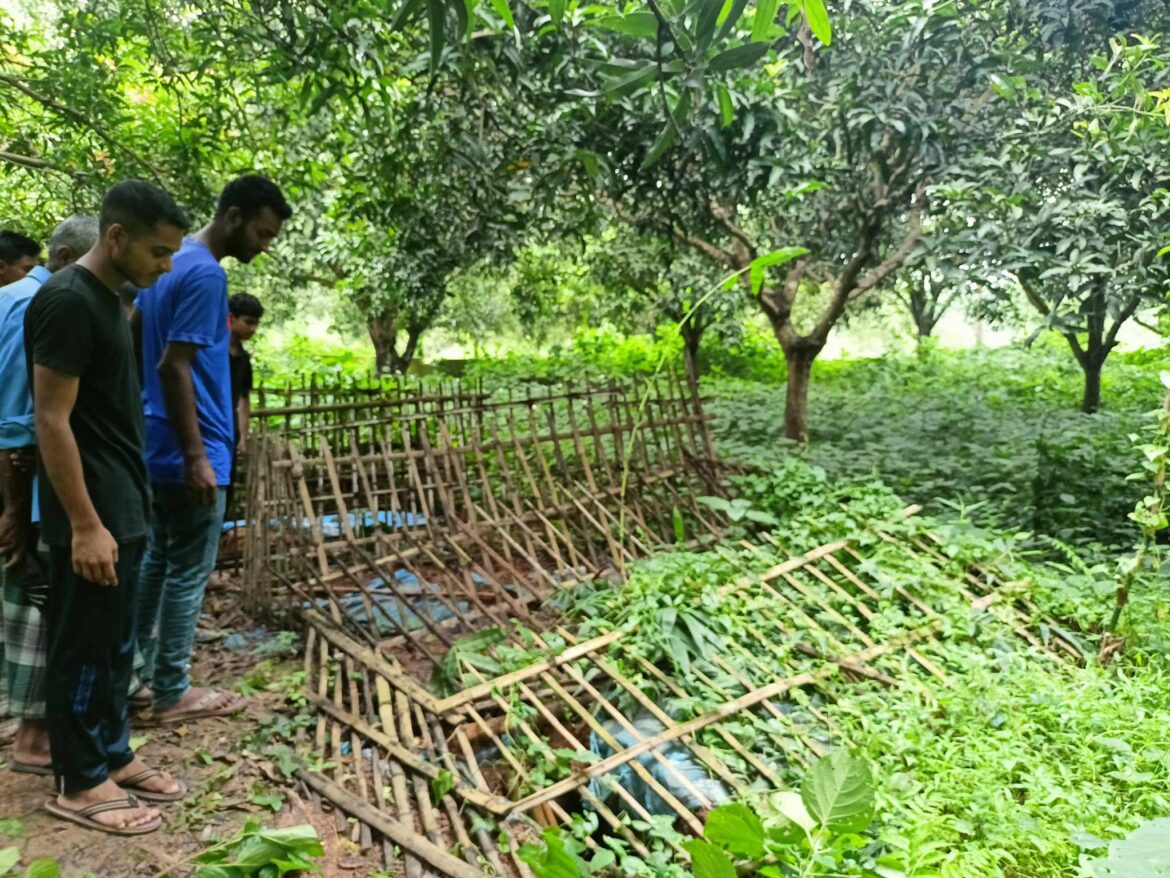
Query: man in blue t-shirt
x,y
183,321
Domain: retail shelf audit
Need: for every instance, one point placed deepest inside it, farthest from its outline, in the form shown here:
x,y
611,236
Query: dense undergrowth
x,y
1018,764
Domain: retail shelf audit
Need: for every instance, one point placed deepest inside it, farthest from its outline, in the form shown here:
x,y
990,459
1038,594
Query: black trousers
x,y
89,658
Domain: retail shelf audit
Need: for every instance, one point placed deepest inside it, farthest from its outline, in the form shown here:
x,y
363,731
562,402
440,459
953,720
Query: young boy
x,y
244,315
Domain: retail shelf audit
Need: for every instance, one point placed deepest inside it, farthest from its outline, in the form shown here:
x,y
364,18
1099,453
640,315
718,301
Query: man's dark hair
x,y
250,194
14,246
139,206
245,305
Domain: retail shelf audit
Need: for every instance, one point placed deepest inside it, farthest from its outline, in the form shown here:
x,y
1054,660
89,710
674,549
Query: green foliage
x,y
993,434
45,867
1144,853
255,851
9,857
816,833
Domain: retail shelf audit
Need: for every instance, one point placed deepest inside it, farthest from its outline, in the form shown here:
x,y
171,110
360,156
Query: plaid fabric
x,y
24,593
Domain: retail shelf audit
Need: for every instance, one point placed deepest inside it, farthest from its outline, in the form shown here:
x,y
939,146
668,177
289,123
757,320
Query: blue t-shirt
x,y
189,304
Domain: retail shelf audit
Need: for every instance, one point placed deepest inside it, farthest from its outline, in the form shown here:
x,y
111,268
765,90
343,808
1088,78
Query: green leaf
x,y
705,22
9,857
553,859
726,110
219,872
45,867
302,839
442,784
1145,853
739,56
504,11
764,19
637,24
631,81
733,15
818,20
736,828
438,19
838,792
273,801
406,12
11,827
776,257
556,10
661,144
708,861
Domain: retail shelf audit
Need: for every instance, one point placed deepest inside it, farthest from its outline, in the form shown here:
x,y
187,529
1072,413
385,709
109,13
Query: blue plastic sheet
x,y
390,519
682,762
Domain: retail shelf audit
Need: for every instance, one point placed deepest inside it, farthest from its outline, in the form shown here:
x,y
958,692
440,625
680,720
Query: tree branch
x,y
28,161
723,214
1127,312
1037,301
893,262
80,118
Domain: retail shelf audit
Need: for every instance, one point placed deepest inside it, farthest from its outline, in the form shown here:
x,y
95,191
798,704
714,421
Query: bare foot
x,y
31,746
123,818
159,782
200,702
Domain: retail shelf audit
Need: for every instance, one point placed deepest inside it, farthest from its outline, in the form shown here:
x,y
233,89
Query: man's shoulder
x,y
26,286
195,262
69,285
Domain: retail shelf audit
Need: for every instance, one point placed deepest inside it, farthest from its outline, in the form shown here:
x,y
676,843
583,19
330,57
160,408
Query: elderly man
x,y
22,572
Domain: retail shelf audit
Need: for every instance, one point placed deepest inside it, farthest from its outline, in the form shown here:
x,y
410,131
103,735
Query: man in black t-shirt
x,y
94,498
244,315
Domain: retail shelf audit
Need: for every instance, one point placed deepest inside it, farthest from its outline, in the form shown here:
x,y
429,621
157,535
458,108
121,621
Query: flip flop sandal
x,y
133,785
83,816
18,767
235,705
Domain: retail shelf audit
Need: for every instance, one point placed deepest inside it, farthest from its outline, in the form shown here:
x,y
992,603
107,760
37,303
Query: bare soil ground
x,y
232,766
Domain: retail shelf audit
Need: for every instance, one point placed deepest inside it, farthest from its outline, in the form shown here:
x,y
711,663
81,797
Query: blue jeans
x,y
181,547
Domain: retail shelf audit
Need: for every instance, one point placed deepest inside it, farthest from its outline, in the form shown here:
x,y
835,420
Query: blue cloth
x,y
189,304
16,405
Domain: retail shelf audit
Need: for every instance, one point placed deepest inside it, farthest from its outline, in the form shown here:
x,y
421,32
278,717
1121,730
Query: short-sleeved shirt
x,y
76,326
241,368
190,305
17,429
16,408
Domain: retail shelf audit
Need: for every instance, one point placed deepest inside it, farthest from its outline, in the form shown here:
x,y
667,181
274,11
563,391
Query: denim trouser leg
x,y
180,556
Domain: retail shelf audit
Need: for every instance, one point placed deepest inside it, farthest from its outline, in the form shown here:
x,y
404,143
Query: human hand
x,y
200,482
95,555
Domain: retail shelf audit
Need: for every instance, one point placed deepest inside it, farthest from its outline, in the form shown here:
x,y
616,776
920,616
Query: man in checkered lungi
x,y
23,575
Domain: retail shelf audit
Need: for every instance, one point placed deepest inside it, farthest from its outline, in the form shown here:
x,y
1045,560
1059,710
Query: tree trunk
x,y
384,332
799,356
403,360
1091,400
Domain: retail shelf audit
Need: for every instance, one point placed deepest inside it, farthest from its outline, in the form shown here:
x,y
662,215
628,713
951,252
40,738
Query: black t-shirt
x,y
241,371
76,326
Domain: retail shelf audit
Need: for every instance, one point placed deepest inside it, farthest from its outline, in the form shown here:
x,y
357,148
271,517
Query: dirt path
x,y
236,767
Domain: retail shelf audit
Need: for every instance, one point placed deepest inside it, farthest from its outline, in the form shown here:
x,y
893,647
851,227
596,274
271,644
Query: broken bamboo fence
x,y
395,525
